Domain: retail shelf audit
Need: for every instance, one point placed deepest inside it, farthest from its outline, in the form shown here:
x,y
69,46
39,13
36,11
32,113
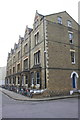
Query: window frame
x,y
69,23
73,60
59,20
24,63
37,58
70,38
36,37
14,70
26,48
37,78
18,67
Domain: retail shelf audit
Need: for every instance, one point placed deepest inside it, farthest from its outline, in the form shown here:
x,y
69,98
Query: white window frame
x,y
71,38
59,20
69,23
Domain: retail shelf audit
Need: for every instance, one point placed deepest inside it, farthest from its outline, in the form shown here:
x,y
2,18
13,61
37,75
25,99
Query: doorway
x,y
74,77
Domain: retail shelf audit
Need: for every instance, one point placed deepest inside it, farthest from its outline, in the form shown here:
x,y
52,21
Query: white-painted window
x,y
69,23
71,38
60,20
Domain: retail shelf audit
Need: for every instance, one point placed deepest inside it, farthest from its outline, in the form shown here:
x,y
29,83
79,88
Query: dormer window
x,y
60,20
69,23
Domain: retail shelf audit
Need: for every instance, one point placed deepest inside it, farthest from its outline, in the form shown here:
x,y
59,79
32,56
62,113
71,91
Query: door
x,y
74,80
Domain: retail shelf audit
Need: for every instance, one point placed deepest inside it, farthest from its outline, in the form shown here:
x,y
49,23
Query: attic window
x,y
60,20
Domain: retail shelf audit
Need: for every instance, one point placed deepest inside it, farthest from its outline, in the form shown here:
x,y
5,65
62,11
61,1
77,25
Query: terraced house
x,y
47,56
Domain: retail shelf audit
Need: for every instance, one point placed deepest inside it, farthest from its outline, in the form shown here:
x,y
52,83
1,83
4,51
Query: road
x,y
62,108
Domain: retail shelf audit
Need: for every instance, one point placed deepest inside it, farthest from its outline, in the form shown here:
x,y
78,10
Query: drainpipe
x,y
21,64
44,52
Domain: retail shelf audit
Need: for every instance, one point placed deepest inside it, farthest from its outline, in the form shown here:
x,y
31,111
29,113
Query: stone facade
x,y
47,57
2,75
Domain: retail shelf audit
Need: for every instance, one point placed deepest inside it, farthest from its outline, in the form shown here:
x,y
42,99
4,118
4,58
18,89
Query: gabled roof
x,y
37,14
59,13
54,13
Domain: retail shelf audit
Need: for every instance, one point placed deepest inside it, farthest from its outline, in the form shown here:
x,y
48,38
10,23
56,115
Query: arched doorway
x,y
74,77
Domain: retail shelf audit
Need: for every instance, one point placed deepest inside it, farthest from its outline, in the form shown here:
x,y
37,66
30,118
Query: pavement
x,y
20,97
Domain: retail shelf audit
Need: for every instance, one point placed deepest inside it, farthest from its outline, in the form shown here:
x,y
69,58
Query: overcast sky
x,y
16,14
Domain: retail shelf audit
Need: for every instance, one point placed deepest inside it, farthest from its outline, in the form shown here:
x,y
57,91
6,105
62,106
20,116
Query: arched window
x,y
74,77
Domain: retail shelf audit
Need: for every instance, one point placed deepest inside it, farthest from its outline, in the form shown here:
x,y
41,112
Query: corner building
x,y
47,57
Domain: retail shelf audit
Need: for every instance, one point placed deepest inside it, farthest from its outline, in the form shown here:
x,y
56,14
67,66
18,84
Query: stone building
x,y
47,56
2,75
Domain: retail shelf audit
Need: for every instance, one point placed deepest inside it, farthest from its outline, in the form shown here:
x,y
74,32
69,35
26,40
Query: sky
x,y
16,14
